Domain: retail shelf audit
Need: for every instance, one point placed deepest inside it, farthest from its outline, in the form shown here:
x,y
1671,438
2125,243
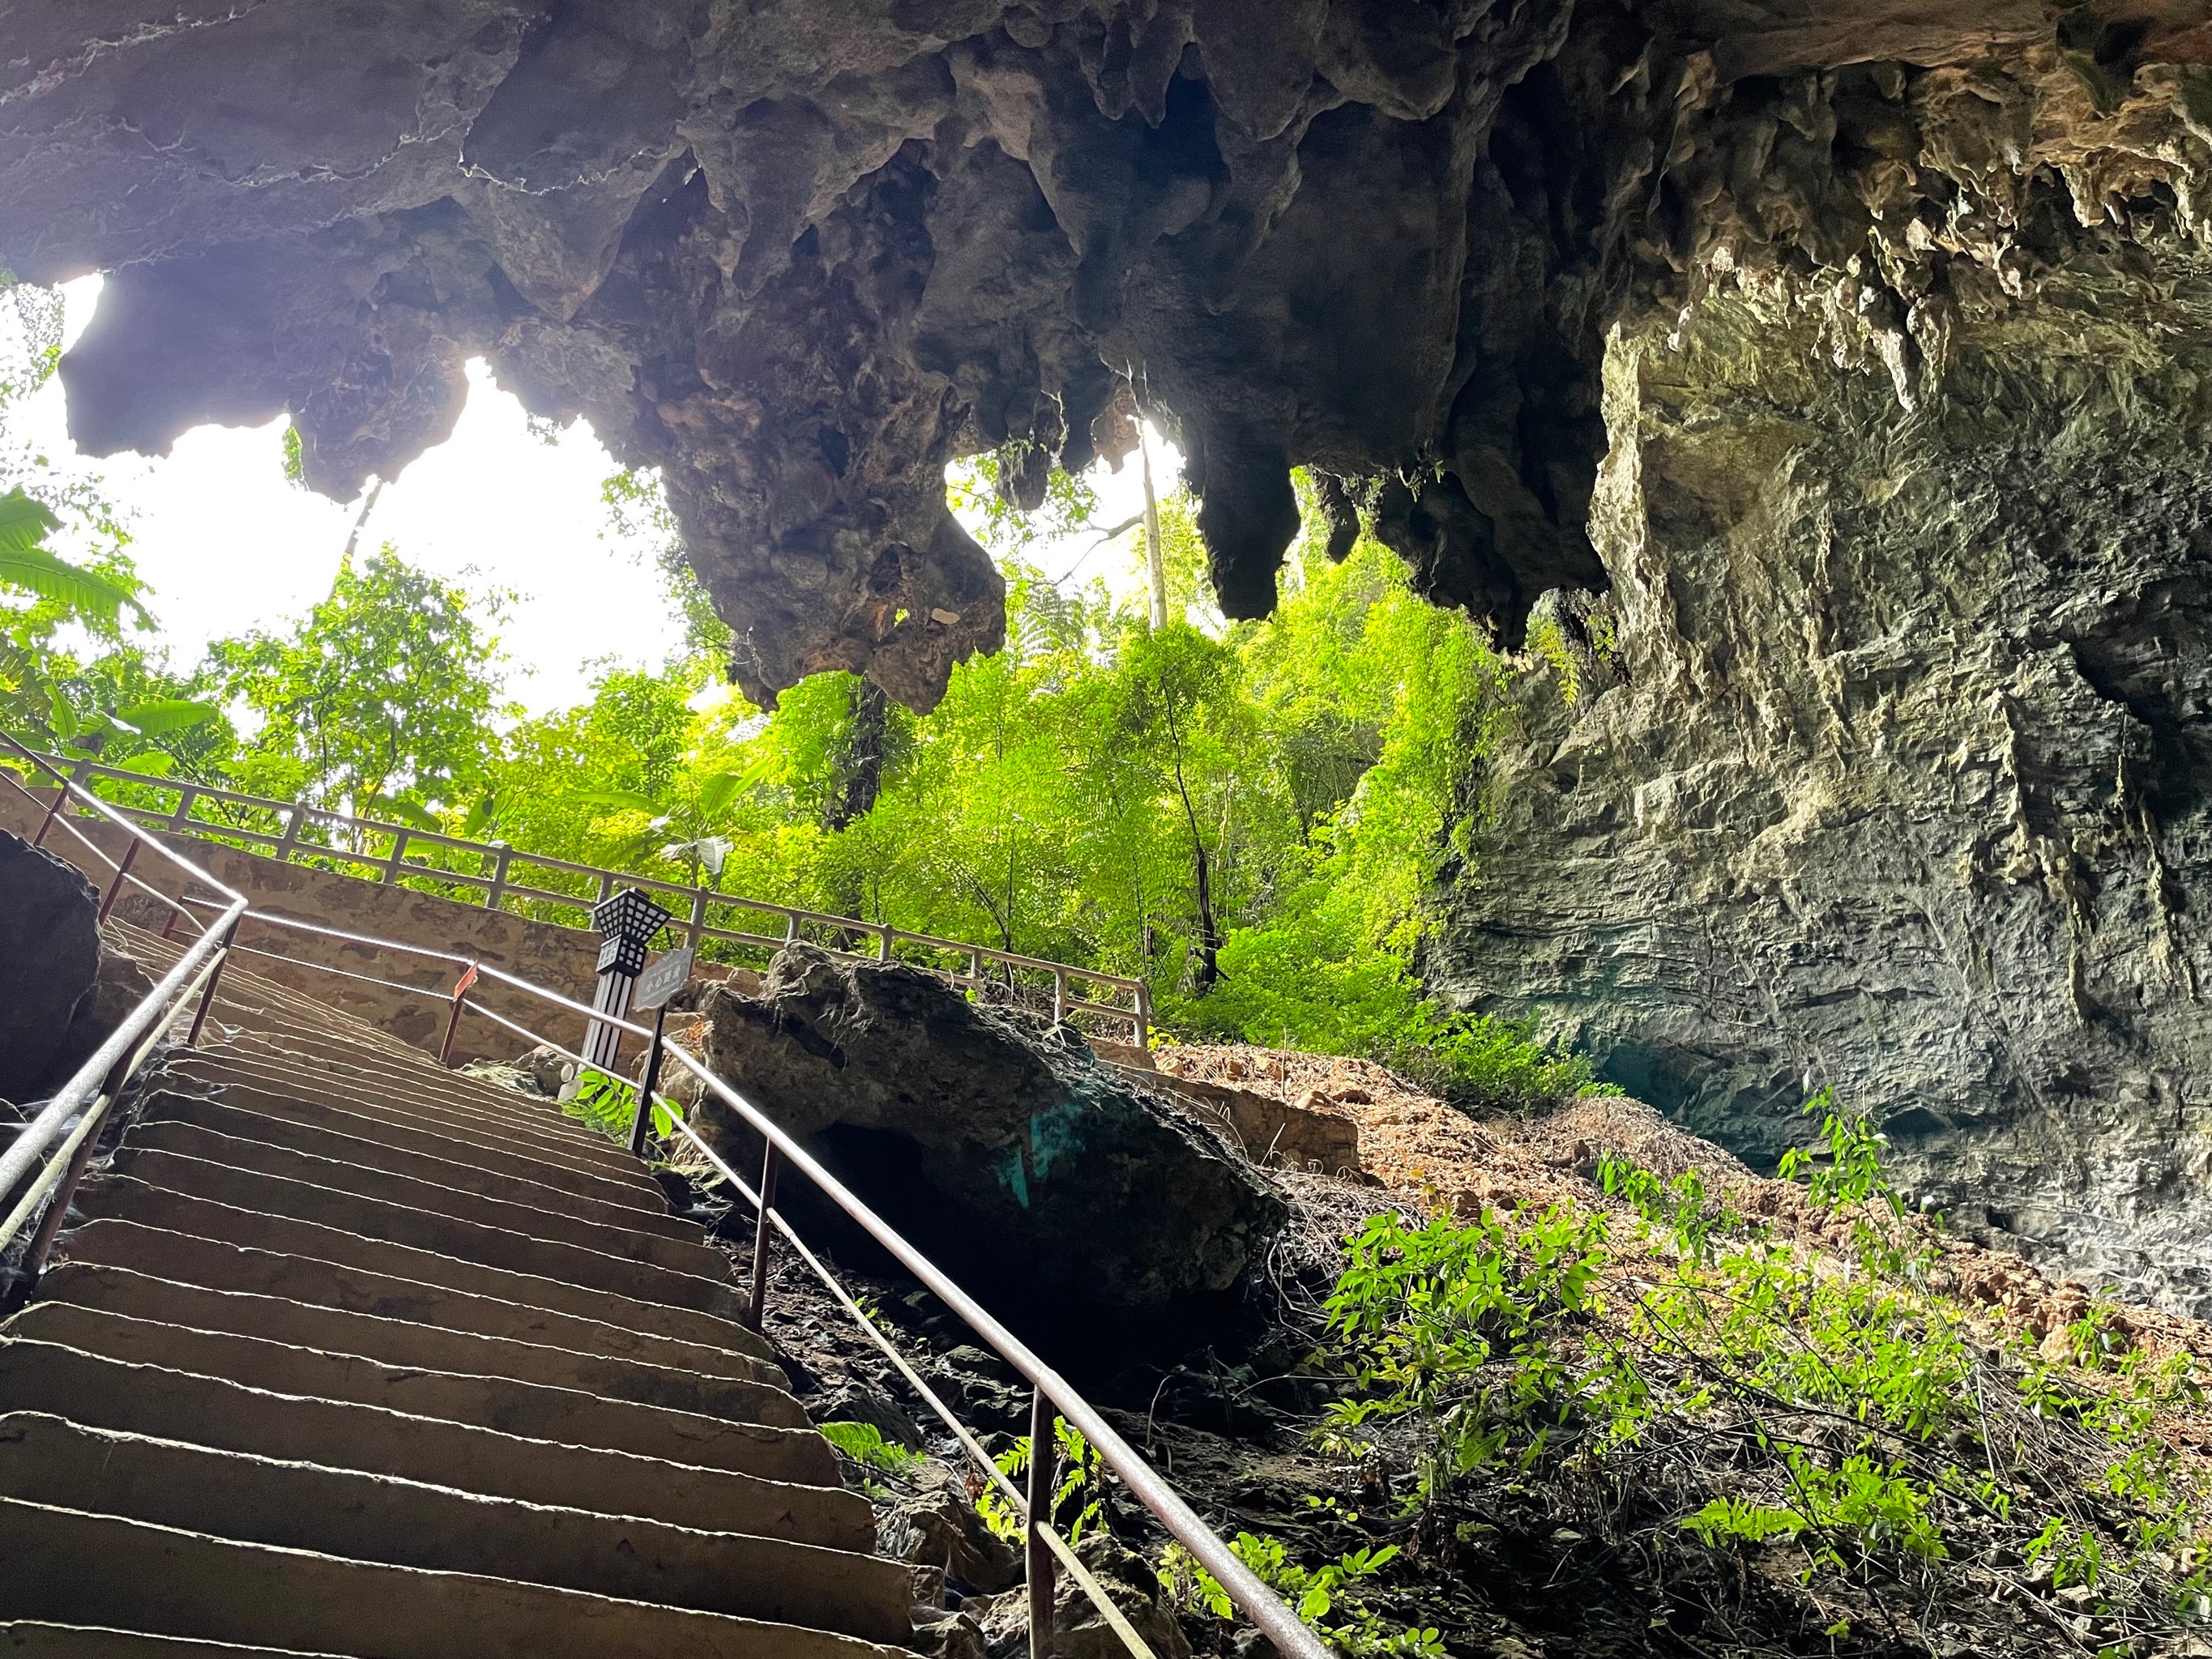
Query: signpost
x,y
655,986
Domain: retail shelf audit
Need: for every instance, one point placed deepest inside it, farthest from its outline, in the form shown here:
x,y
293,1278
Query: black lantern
x,y
630,922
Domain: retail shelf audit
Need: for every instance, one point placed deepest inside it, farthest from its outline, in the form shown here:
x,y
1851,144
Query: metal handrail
x,y
498,888
93,1087
1245,1590
101,1078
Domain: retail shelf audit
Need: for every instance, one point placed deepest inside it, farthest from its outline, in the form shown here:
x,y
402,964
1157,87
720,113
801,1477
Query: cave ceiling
x,y
799,256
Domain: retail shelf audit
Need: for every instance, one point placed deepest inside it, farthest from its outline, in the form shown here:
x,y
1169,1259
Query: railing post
x,y
698,917
1143,1017
771,1165
884,947
1042,1450
122,874
453,1020
186,794
498,875
647,1079
61,794
1059,996
296,817
213,978
398,852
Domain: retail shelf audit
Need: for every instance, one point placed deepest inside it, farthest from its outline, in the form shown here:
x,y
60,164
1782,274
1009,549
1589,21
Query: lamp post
x,y
630,922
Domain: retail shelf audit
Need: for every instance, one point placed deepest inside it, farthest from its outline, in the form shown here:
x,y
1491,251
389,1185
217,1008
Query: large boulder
x,y
1072,1200
49,960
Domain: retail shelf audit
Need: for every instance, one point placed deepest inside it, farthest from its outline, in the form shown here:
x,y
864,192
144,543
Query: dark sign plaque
x,y
662,981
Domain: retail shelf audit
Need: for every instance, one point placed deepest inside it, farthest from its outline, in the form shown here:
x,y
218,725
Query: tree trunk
x,y
855,794
1155,564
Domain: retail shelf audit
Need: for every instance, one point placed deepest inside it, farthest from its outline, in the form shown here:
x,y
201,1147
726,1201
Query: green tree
x,y
382,698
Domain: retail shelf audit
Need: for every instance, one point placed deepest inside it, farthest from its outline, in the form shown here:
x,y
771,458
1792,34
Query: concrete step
x,y
497,1172
425,1347
27,1640
554,1140
128,1247
801,1501
59,1562
47,1459
420,1229
128,1200
426,1086
679,1247
206,1073
780,1451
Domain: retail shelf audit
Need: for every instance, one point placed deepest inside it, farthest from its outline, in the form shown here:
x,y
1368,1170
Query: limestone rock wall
x,y
799,255
1888,764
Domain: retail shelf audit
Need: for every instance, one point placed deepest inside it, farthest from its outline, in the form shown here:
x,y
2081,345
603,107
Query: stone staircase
x,y
352,1355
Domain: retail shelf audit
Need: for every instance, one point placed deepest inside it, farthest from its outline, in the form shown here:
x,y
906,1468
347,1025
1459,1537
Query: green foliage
x,y
1080,1484
383,694
1251,817
1752,1395
1330,1599
26,563
864,1444
971,489
638,513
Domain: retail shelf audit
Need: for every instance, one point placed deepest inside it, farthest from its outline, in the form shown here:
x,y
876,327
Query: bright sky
x,y
229,544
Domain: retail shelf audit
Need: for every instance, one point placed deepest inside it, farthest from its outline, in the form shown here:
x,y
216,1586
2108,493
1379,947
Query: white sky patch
x,y
229,544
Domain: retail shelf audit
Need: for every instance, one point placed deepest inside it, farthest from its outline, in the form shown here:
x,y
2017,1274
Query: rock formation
x,y
1837,364
1887,762
49,961
1070,1199
799,261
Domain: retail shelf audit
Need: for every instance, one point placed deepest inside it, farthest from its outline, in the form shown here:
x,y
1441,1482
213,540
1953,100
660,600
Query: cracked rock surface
x,y
1888,765
1826,376
799,255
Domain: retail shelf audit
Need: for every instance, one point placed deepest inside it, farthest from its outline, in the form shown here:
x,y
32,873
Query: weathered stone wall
x,y
1888,760
798,259
564,959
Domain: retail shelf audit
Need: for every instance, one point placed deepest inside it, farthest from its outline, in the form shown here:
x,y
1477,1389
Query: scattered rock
x,y
1312,1133
49,961
1081,1631
1072,1200
939,1528
547,1069
121,985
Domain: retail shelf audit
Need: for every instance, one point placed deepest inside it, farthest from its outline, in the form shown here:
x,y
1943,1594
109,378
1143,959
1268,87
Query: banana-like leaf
x,y
406,811
481,814
150,763
40,572
24,522
720,788
165,714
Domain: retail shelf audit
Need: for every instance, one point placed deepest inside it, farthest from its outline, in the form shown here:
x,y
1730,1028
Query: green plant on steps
x,y
1082,1480
608,1104
864,1443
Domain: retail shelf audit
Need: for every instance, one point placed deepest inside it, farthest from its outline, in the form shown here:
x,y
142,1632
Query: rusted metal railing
x,y
68,1127
388,854
40,1168
1053,1397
